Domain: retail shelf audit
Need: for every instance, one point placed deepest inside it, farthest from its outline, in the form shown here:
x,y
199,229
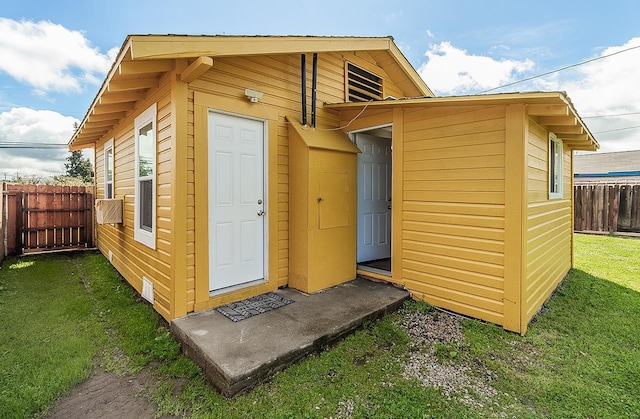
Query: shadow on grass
x,y
580,357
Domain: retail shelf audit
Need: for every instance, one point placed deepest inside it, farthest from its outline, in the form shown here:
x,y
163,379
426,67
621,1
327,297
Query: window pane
x,y
552,166
109,163
145,150
555,167
146,205
109,191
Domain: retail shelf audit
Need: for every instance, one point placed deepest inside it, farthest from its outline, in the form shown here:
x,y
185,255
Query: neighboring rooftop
x,y
617,161
618,165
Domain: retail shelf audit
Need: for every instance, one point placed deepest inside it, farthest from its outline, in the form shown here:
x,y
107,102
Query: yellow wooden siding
x,y
132,259
278,77
548,225
453,208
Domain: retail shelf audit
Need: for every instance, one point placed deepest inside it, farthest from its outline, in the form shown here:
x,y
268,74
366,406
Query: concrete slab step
x,y
236,356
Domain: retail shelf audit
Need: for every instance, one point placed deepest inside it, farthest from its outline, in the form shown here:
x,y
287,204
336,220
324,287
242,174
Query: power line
x,y
611,115
33,145
617,129
560,69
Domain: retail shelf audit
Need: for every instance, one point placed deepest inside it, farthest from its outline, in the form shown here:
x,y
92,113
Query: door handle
x,y
260,213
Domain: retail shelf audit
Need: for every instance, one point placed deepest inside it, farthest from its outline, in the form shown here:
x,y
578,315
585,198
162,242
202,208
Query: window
x,y
555,167
362,86
145,181
108,169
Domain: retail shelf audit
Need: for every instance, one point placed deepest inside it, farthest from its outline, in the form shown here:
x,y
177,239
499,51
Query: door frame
x,y
352,136
266,205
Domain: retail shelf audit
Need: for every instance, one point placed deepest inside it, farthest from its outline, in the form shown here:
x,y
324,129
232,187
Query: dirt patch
x,y
107,395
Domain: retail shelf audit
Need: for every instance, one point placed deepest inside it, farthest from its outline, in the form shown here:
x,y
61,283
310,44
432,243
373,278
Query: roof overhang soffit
x,y
552,110
144,59
127,83
565,123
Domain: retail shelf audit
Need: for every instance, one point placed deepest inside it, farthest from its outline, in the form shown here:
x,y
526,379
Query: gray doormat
x,y
253,306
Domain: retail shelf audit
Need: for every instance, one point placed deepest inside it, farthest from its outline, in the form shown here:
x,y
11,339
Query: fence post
x,y
90,215
615,208
14,221
624,213
3,224
635,208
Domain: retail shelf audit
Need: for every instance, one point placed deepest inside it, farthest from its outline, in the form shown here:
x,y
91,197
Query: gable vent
x,y
362,86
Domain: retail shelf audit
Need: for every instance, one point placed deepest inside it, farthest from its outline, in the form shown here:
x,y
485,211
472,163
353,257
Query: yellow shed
x,y
240,167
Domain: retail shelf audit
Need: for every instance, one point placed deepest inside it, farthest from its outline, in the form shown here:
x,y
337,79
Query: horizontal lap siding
x,y
453,212
278,77
132,259
548,224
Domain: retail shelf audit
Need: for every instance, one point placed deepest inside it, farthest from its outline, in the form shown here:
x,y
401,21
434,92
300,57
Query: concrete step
x,y
236,356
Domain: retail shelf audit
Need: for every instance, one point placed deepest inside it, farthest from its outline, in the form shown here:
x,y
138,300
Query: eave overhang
x,y
552,110
144,59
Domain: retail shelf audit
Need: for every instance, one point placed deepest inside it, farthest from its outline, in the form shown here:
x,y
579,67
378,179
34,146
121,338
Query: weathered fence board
x,y
3,225
611,208
47,217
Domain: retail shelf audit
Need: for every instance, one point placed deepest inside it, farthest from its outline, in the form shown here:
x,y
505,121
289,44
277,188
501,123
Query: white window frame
x,y
142,235
556,179
109,165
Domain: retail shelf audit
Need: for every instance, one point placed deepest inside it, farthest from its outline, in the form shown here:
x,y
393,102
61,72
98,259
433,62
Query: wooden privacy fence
x,y
47,217
609,208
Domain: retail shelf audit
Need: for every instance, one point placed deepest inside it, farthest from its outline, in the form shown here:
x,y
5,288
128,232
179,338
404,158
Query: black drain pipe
x,y
303,70
314,82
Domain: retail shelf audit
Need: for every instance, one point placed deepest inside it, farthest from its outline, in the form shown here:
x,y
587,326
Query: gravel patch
x,y
435,342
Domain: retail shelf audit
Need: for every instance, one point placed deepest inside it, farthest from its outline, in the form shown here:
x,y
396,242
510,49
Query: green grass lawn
x,y
66,315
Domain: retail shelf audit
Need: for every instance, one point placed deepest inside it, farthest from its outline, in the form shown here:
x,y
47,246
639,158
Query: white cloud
x,y
50,57
453,71
24,125
606,87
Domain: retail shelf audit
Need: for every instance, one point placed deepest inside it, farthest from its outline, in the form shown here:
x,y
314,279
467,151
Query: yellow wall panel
x,y
132,259
453,208
549,225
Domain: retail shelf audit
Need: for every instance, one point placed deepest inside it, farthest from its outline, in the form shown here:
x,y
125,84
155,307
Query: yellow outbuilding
x,y
245,164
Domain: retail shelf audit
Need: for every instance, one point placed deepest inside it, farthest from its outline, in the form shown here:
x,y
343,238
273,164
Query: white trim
x,y
353,137
371,128
557,170
109,146
141,235
265,200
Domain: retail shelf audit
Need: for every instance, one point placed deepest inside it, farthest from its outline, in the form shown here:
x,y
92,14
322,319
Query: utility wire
x,y
560,69
611,115
32,145
617,129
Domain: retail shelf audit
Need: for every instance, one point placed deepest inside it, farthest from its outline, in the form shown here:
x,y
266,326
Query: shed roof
x,y
551,109
144,59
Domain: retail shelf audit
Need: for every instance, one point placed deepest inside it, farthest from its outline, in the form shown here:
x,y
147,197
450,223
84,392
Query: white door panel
x,y
374,198
236,200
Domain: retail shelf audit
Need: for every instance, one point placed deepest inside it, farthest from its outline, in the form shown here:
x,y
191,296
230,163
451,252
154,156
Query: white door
x,y
374,198
236,200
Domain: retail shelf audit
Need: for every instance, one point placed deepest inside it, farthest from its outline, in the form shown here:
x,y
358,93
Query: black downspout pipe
x,y
303,70
314,82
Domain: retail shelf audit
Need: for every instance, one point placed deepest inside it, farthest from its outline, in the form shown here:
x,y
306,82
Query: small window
x,y
555,167
362,85
145,181
108,169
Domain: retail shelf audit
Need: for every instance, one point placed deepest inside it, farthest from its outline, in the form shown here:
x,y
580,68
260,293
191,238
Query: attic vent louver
x,y
362,86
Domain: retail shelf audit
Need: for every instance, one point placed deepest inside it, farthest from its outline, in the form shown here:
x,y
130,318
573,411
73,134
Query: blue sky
x,y
54,54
